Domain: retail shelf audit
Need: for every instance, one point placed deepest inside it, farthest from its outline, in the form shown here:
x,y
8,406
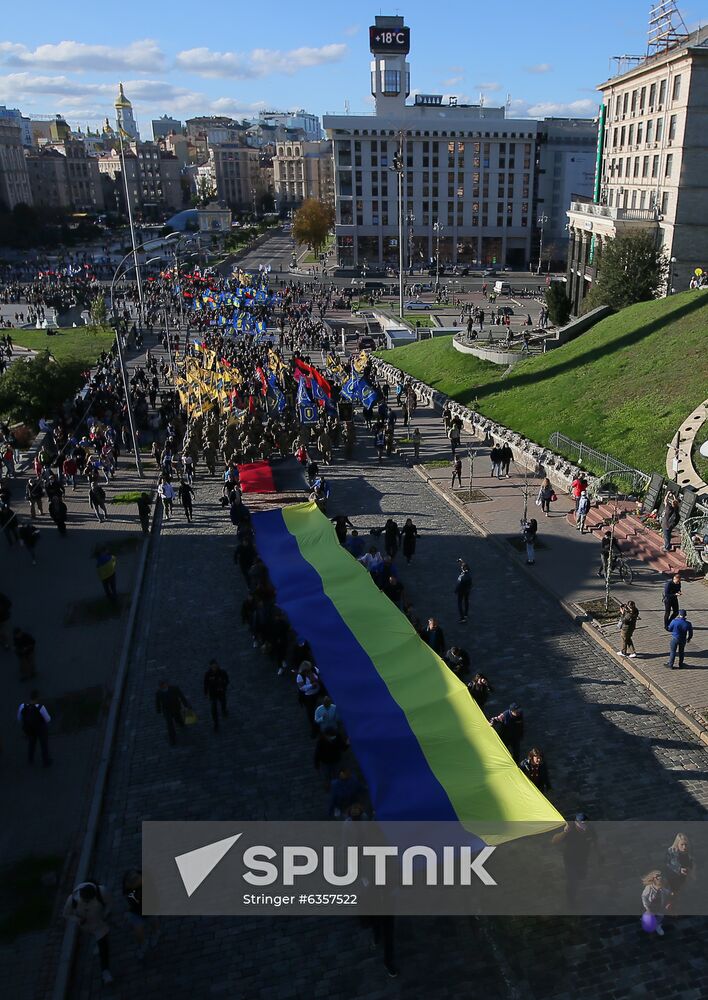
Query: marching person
x,y
34,719
216,681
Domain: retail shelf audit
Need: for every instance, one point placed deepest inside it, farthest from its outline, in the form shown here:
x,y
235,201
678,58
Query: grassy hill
x,y
624,387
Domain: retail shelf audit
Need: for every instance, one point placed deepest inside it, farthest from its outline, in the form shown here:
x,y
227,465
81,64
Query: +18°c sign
x,y
389,39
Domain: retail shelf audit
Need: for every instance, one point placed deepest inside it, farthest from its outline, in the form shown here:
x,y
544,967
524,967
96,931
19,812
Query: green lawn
x,y
79,345
623,387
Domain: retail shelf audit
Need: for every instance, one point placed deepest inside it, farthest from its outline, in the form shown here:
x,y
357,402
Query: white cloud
x,y
452,81
488,86
572,109
77,56
257,62
539,68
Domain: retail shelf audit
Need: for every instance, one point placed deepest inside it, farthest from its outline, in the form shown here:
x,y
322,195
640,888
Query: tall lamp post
x,y
410,219
437,229
129,208
398,167
670,288
541,221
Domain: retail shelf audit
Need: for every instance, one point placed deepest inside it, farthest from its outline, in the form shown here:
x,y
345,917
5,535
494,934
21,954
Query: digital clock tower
x,y
389,42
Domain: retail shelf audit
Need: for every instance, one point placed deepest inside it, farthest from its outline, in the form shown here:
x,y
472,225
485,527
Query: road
x,y
613,752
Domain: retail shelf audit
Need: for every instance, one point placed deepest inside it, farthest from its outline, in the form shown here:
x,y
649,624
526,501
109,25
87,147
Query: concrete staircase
x,y
635,538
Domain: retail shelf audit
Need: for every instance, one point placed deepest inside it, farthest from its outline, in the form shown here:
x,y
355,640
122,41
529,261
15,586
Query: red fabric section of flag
x,y
256,477
261,376
317,376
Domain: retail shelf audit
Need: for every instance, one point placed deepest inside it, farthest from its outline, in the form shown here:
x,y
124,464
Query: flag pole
x,y
131,224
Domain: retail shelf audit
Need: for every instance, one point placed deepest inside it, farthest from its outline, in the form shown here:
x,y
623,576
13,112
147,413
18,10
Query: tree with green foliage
x,y
632,268
36,388
558,303
98,311
312,223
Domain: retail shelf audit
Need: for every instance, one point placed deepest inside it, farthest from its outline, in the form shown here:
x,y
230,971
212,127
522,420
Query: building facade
x,y
15,116
237,176
652,165
469,173
301,120
303,170
153,179
14,179
47,173
165,126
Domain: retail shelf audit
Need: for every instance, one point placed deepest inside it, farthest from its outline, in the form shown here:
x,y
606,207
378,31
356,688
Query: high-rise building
x,y
14,179
64,176
153,176
124,115
306,122
15,116
652,164
468,172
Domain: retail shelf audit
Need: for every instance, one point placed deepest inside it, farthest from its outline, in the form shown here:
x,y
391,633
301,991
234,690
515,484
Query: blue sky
x,y
64,58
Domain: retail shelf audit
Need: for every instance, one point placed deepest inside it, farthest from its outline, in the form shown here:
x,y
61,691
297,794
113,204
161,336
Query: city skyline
x,y
318,62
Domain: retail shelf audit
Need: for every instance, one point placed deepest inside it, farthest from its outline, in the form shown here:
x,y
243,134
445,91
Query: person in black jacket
x,y
169,702
462,589
535,769
480,689
328,753
185,494
433,635
510,727
216,681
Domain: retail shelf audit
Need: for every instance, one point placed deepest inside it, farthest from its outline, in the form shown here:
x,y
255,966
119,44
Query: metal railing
x,y
580,453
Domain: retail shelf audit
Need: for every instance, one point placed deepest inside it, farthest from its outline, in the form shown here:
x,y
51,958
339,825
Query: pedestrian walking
x,y
34,719
680,864
669,518
454,437
456,472
509,725
29,535
392,537
106,569
58,512
169,703
681,631
97,500
185,493
581,511
507,456
529,531
434,636
24,645
89,906
143,504
629,616
328,753
463,586
409,536
145,929
546,496
416,443
578,487
166,492
536,770
380,442
327,715
216,681
309,688
672,589
495,457
34,494
656,896
578,842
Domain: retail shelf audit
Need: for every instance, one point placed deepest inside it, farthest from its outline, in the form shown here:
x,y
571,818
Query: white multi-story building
x,y
15,186
15,116
653,164
308,123
469,172
303,170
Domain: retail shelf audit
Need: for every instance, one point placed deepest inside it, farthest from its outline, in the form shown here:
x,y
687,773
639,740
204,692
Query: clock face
x,y
389,39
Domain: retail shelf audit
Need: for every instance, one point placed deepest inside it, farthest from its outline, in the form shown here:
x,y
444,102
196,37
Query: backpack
x,y
32,719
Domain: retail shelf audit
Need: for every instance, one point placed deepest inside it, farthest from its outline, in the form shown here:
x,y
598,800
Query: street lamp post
x,y
670,289
129,208
437,229
410,219
541,221
398,167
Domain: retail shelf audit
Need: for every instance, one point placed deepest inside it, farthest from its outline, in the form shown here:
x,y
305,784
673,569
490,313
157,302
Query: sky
x,y
545,59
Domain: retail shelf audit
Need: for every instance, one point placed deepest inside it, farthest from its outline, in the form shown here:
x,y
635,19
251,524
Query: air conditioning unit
x,y
651,110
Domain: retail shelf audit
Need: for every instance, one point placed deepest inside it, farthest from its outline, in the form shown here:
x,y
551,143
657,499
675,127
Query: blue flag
x,y
303,396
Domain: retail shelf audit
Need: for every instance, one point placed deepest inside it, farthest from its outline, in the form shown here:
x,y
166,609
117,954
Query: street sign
x,y
389,39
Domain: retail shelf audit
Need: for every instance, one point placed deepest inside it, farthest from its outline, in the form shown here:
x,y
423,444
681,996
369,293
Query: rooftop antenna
x,y
667,27
481,99
508,101
346,106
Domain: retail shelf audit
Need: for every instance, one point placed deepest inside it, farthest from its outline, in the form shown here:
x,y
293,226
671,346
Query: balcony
x,y
614,213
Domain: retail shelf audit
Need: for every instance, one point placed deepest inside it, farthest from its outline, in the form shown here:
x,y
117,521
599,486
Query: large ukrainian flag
x,y
425,747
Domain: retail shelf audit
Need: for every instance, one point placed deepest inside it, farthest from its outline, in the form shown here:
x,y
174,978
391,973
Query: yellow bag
x,y
190,717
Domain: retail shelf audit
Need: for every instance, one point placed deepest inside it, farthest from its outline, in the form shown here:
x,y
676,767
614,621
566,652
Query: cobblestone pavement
x,y
613,751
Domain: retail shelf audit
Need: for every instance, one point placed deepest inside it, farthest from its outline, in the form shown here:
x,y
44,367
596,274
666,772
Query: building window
x,y
650,130
676,89
665,203
635,172
633,104
659,129
672,127
652,96
655,166
662,93
630,137
640,133
392,81
642,99
668,166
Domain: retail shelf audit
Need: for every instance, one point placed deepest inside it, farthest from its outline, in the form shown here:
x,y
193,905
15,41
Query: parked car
x,y
489,272
366,344
420,287
505,311
418,306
